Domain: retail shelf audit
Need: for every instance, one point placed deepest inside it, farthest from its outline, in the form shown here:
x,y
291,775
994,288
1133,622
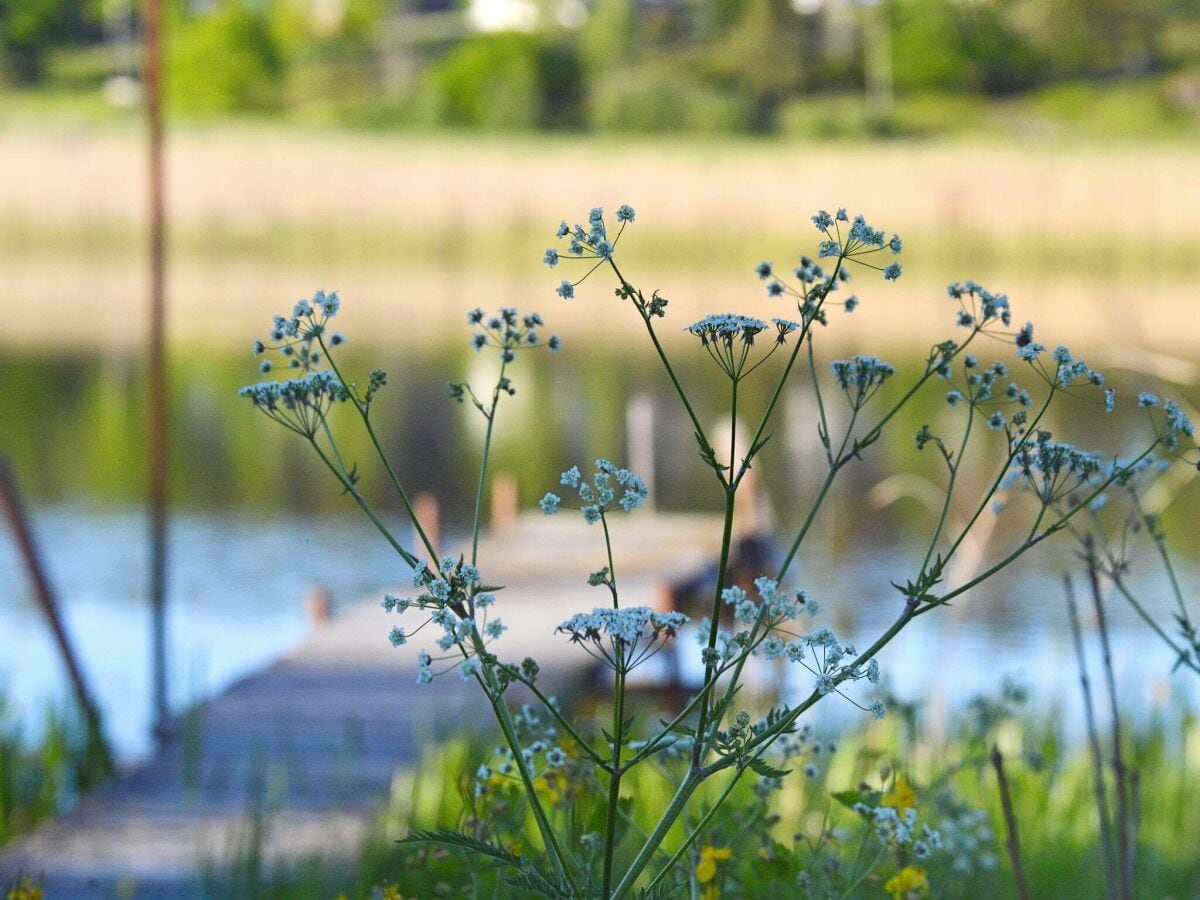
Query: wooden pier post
x,y
18,521
156,362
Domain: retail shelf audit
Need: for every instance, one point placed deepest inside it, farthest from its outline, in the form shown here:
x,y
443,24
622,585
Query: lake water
x,y
237,583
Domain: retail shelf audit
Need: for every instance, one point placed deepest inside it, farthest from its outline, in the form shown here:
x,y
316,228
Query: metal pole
x,y
157,399
18,521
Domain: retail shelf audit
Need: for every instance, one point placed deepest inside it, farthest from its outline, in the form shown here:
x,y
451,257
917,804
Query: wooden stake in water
x,y
18,521
157,399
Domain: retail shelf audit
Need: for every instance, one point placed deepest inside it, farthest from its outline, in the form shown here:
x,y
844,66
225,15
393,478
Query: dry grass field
x,y
1094,243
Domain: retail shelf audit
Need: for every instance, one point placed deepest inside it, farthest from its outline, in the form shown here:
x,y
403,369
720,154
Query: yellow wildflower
x,y
901,796
549,786
908,881
392,892
706,870
25,889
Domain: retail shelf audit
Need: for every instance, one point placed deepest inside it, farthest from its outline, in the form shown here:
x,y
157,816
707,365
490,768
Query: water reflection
x,y
258,524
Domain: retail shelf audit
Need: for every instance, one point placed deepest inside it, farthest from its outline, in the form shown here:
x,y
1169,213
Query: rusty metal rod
x,y
18,522
156,360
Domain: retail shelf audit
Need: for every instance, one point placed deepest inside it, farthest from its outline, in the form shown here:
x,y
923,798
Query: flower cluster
x,y
861,377
459,605
623,638
1176,420
857,244
558,770
1054,470
510,332
978,307
298,338
729,339
298,403
773,604
587,243
599,495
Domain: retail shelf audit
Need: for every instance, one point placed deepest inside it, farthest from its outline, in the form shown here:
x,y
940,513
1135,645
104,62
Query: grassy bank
x,y
1050,782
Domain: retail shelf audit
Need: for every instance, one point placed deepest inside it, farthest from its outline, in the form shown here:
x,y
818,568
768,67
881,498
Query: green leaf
x,y
463,842
765,769
660,891
540,883
850,799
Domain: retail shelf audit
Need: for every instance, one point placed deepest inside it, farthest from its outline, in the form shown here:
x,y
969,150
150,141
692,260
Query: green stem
x,y
695,832
714,624
612,567
483,465
504,718
562,720
403,494
662,355
954,467
366,507
614,778
808,520
678,803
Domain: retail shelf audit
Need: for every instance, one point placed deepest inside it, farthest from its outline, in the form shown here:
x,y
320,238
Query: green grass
x,y
1051,783
40,779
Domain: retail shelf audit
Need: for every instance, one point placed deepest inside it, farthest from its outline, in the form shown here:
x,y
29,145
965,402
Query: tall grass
x,y
1050,781
41,778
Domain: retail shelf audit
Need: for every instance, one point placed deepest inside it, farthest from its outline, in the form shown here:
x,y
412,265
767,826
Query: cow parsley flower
x,y
623,638
610,487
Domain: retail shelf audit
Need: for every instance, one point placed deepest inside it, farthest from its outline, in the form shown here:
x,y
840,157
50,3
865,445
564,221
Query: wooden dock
x,y
309,747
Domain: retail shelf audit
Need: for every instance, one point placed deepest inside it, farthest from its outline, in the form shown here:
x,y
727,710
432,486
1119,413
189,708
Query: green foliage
x,y
224,61
39,780
661,98
504,82
29,29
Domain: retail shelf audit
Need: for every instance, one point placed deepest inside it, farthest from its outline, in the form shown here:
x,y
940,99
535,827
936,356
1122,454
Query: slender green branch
x,y
954,467
612,566
713,625
387,464
614,776
362,503
483,463
662,355
678,803
696,829
588,749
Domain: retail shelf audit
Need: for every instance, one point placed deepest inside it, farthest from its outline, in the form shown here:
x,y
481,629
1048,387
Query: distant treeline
x,y
624,65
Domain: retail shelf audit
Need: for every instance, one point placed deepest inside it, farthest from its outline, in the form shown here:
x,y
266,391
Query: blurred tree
x,y
224,60
760,51
503,81
29,29
1104,38
951,46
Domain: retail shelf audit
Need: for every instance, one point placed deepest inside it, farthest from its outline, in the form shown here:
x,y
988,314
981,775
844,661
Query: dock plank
x,y
311,744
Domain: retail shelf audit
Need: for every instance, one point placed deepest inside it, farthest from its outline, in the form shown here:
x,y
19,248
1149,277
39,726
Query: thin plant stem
x,y
612,566
549,838
400,491
1120,775
1106,840
1013,844
614,776
695,831
954,464
674,809
713,626
483,463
